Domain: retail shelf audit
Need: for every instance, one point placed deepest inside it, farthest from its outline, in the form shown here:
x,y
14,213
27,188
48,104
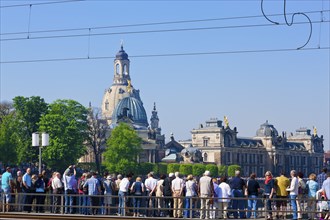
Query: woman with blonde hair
x,y
137,190
191,191
312,187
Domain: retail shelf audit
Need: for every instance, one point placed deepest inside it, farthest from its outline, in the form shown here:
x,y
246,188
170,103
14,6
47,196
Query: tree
x,y
123,149
232,169
8,138
97,130
28,112
198,169
173,167
213,169
185,169
5,109
222,170
66,124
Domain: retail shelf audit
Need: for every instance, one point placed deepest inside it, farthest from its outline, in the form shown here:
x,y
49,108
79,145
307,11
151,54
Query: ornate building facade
x,y
122,103
268,150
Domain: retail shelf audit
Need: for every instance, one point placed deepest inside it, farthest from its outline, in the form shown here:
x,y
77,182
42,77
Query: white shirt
x,y
225,192
56,183
177,184
150,183
293,186
124,184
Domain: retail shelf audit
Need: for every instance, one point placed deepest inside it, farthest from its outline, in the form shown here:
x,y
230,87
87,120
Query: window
x,y
205,143
228,157
125,70
106,105
117,68
205,157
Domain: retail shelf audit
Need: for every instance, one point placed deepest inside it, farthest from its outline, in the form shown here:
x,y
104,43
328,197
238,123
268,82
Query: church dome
x,y
134,110
121,55
267,130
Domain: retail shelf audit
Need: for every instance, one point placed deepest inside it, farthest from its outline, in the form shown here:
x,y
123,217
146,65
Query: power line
x,y
148,31
40,3
166,55
154,23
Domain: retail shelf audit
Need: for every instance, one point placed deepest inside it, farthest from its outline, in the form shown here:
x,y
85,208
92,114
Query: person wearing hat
x,y
6,183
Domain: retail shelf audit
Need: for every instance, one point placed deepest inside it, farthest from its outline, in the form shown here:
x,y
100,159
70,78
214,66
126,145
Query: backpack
x,y
302,188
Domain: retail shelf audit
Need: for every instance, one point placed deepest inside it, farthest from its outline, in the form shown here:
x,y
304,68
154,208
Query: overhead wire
x,y
153,23
144,31
165,55
39,3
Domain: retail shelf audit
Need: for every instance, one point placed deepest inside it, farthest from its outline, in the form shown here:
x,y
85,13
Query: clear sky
x,y
290,89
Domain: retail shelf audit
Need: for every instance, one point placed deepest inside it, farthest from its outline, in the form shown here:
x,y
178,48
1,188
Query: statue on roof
x,y
225,119
315,131
129,86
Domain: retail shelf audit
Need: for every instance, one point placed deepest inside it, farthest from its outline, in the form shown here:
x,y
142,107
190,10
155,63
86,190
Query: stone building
x,y
268,150
122,103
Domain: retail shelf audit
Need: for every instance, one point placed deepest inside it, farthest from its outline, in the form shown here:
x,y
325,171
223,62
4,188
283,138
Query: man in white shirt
x,y
123,190
151,184
177,189
293,189
57,189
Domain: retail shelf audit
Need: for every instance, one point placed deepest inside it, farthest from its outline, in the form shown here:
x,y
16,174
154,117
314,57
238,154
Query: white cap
x,y
207,173
170,174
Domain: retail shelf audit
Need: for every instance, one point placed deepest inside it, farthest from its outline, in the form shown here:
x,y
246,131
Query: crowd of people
x,y
169,195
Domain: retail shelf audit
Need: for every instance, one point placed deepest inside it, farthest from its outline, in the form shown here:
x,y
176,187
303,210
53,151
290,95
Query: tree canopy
x,y
123,148
66,124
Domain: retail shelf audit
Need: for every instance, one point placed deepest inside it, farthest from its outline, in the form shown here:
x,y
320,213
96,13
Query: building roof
x,y
132,108
267,130
121,55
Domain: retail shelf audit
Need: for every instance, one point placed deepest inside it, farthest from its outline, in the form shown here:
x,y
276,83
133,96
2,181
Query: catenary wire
x,y
154,23
147,31
40,3
166,55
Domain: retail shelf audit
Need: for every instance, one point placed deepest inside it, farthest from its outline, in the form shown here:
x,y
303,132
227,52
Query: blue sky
x,y
289,89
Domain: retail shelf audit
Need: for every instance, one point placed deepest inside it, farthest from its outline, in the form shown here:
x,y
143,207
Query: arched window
x,y
117,68
125,70
205,157
106,105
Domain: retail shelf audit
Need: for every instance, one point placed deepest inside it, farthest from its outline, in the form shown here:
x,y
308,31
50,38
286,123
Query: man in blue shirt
x,y
27,183
69,187
94,189
237,186
6,183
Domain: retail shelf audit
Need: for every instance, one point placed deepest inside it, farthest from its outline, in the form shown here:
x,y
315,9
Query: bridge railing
x,y
189,207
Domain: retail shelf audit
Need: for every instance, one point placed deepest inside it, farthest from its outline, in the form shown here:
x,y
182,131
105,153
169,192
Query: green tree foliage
x,y
145,168
213,169
28,112
162,168
123,148
222,170
185,169
198,169
8,138
66,124
232,169
173,167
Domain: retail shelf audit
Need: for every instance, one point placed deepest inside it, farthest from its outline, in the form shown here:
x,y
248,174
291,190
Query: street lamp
x,y
36,143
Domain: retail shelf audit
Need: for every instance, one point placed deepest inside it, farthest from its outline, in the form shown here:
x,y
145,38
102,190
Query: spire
x,y
122,44
154,120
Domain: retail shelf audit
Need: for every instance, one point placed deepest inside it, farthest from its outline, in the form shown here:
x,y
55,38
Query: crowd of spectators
x,y
171,195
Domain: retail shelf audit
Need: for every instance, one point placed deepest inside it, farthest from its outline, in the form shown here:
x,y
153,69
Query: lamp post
x,y
36,143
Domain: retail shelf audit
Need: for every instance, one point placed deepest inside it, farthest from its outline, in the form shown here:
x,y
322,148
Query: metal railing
x,y
188,207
